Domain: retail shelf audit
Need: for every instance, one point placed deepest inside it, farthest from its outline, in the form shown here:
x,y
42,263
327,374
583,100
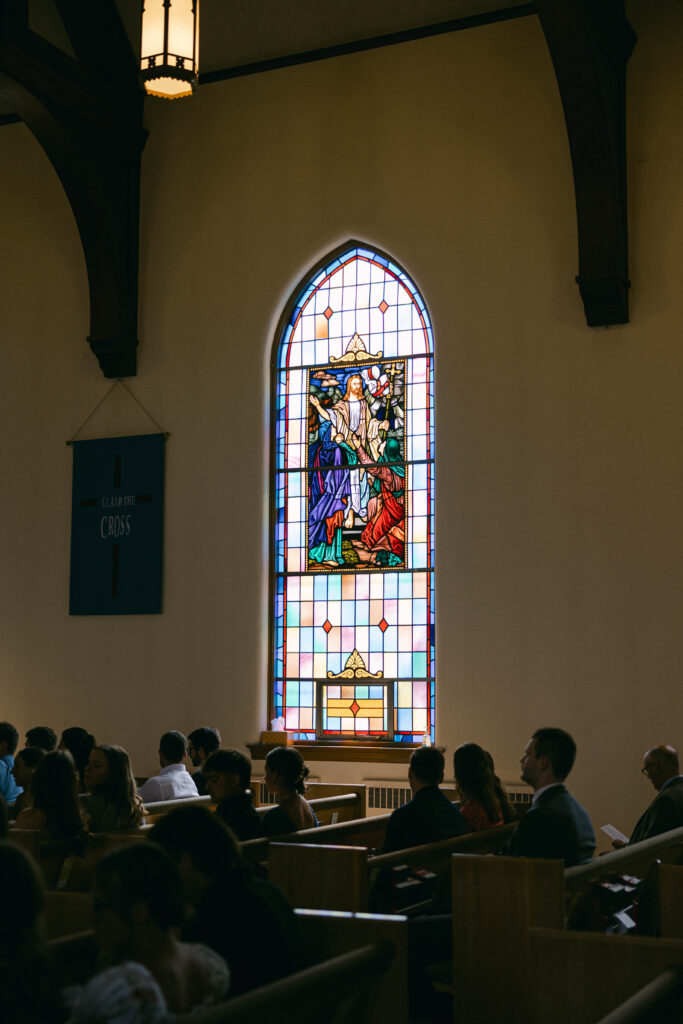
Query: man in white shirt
x,y
173,781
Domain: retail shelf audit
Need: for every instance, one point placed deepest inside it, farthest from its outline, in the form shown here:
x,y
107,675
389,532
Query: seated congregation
x,y
185,920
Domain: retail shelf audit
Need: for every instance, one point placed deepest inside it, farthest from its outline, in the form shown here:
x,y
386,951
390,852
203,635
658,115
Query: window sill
x,y
378,754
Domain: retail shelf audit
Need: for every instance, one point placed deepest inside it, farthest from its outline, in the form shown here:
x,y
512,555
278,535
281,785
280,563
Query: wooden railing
x,y
337,877
634,859
509,923
659,1000
367,832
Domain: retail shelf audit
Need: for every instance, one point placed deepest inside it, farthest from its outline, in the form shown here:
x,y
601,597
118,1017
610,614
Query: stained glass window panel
x,y
353,527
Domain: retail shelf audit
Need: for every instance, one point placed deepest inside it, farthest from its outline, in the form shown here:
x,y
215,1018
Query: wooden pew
x,y
642,860
498,901
66,870
582,976
337,877
319,791
660,1000
331,803
78,872
156,810
660,907
331,935
320,877
633,860
339,991
332,808
368,832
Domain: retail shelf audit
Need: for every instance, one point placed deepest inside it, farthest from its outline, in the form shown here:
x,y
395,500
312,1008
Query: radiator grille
x,y
386,796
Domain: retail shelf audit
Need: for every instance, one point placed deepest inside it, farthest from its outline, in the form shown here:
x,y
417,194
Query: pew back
x,y
496,900
368,832
317,791
333,934
661,999
337,991
582,976
320,877
156,810
330,879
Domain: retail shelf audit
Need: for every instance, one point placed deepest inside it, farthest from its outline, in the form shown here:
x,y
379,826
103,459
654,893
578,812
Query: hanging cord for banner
x,y
103,400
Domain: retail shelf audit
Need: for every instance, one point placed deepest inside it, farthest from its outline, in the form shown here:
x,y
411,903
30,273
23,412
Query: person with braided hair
x,y
285,777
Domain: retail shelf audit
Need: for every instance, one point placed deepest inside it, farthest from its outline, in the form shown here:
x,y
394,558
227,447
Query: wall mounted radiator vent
x,y
518,793
384,795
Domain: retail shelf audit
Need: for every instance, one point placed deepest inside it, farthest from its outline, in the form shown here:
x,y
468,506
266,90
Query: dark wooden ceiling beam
x,y
590,42
100,42
91,130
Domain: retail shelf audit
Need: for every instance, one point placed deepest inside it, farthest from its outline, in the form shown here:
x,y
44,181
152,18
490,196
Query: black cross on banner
x,y
117,526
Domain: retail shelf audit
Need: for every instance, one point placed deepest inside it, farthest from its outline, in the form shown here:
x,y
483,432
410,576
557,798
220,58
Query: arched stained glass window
x,y
353,543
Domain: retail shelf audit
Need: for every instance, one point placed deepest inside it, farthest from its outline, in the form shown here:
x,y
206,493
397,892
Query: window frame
x,y
341,744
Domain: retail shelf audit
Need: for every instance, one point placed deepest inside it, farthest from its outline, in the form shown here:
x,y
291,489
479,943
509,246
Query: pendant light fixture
x,y
170,47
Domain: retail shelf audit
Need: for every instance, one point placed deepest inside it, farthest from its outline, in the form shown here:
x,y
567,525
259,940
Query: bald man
x,y
661,767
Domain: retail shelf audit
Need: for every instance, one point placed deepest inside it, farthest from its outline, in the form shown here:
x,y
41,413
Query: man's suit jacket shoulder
x,y
428,817
664,813
555,827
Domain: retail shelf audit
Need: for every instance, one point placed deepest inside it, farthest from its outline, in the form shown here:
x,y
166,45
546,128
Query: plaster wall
x,y
560,567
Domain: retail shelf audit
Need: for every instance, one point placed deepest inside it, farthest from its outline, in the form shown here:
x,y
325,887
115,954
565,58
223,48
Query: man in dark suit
x,y
556,826
661,767
430,815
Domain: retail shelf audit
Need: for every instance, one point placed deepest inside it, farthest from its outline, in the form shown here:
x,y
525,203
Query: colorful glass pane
x,y
353,504
354,710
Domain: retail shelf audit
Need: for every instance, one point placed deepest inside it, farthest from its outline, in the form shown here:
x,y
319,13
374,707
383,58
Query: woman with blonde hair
x,y
112,801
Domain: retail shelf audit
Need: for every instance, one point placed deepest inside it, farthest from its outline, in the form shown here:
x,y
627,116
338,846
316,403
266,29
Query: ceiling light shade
x,y
170,47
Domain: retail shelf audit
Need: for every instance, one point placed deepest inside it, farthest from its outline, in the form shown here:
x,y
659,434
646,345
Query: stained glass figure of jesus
x,y
353,494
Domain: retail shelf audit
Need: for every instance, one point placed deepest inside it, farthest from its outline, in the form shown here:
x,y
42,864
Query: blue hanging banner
x,y
117,526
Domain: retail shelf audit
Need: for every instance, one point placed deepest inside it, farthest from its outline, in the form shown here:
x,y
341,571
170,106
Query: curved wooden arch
x,y
87,116
590,42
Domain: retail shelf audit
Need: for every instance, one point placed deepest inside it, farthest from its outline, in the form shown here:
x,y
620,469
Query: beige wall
x,y
560,569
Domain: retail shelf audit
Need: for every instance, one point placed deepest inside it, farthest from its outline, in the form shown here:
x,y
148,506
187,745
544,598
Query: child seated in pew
x,y
112,801
484,803
285,776
25,763
247,920
27,992
151,975
227,777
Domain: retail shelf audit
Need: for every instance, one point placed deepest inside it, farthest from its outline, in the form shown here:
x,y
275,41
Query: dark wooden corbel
x,y
590,42
87,116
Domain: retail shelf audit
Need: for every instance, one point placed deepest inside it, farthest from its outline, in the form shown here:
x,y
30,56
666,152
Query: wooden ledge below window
x,y
391,753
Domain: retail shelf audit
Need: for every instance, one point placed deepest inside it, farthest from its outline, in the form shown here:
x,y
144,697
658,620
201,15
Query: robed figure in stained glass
x,y
351,419
385,533
356,487
328,498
